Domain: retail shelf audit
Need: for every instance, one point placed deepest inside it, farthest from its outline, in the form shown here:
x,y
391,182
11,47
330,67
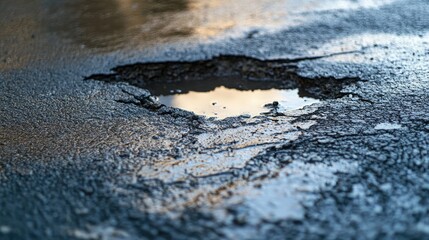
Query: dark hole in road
x,y
228,85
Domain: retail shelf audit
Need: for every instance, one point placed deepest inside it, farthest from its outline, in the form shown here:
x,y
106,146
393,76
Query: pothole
x,y
228,85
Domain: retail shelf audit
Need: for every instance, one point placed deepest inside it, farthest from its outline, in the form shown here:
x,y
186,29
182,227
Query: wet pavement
x,y
87,151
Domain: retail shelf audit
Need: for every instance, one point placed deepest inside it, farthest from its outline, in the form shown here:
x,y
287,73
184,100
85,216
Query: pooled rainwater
x,y
223,102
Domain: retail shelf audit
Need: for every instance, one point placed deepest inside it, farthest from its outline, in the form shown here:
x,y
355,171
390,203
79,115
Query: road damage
x,y
82,159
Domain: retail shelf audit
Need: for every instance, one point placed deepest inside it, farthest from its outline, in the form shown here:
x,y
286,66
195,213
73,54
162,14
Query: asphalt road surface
x,y
86,152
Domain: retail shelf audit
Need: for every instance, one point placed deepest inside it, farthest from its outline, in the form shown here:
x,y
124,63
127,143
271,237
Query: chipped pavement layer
x,y
78,162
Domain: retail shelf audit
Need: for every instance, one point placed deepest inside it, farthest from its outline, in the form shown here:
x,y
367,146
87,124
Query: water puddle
x,y
35,31
228,85
134,23
225,102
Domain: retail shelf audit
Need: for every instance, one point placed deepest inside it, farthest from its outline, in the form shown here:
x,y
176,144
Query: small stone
x,y
82,211
5,229
387,126
387,187
325,140
422,227
378,209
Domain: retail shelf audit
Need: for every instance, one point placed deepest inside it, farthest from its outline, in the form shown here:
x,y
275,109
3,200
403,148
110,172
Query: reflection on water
x,y
43,30
106,24
223,102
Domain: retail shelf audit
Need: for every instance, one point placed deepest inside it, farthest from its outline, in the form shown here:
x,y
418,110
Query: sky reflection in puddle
x,y
224,102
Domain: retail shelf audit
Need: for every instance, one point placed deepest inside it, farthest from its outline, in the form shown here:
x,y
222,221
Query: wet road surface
x,y
100,158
